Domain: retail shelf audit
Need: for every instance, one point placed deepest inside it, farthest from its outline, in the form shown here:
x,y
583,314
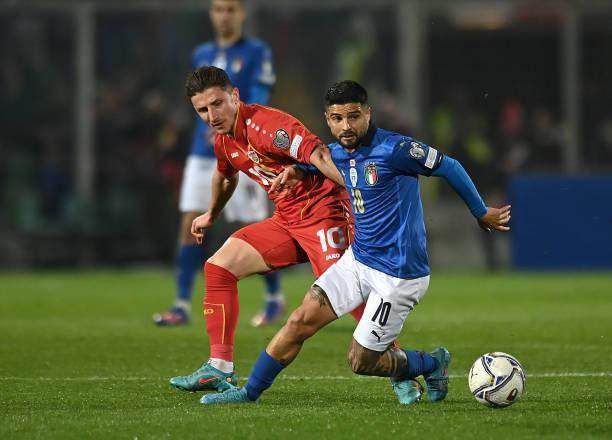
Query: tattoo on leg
x,y
390,363
393,362
319,294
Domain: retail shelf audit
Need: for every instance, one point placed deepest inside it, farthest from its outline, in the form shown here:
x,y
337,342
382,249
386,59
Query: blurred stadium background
x,y
94,129
94,132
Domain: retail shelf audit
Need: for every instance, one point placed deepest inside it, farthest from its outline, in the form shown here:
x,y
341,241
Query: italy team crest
x,y
371,174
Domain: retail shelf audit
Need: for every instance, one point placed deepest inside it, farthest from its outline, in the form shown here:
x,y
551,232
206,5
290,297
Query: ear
x,y
235,95
368,113
326,115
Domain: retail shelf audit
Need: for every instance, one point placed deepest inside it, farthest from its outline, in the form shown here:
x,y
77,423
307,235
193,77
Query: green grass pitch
x,y
80,358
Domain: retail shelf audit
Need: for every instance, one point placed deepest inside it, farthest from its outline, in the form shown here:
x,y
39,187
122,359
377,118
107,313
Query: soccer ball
x,y
497,379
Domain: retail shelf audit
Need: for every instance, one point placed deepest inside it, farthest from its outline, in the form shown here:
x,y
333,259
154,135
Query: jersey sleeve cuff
x,y
303,155
480,211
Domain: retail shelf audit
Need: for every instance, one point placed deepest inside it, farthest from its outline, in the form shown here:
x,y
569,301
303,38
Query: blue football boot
x,y
205,378
174,317
437,381
408,391
232,395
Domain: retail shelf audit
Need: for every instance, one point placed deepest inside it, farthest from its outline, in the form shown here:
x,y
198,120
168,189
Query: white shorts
x,y
248,204
196,188
389,300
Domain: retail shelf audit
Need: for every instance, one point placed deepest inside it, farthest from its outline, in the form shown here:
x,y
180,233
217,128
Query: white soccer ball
x,y
497,379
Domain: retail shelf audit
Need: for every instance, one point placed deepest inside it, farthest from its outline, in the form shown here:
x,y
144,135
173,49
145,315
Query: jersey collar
x,y
369,136
240,125
236,43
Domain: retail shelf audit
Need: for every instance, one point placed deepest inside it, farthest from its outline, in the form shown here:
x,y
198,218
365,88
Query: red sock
x,y
358,312
221,309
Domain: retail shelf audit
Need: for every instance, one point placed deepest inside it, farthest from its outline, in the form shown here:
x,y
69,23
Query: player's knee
x,y
222,259
299,326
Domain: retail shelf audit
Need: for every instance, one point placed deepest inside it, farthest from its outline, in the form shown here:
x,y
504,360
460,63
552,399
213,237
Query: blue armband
x,y
307,168
459,179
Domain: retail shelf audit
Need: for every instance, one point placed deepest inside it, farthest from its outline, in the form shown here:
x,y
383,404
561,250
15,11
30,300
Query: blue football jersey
x,y
249,65
381,177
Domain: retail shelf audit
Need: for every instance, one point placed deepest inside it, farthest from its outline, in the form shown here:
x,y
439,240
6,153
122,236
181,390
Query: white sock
x,y
278,297
221,365
184,305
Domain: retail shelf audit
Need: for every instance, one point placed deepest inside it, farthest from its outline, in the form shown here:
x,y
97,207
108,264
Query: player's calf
x,y
312,315
366,362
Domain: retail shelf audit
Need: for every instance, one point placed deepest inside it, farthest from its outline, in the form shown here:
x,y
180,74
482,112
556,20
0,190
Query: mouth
x,y
348,137
217,125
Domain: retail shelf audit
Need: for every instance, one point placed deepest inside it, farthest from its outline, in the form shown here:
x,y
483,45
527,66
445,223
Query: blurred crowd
x,y
143,125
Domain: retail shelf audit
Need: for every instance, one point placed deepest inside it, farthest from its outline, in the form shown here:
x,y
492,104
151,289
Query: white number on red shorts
x,y
333,238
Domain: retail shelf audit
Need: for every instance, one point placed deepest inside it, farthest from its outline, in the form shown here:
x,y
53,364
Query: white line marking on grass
x,y
282,377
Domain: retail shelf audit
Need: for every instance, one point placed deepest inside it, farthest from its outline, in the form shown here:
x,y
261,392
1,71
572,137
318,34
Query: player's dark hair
x,y
344,92
204,78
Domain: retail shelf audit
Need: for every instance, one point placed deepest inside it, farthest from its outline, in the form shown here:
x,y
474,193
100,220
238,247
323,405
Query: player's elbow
x,y
320,155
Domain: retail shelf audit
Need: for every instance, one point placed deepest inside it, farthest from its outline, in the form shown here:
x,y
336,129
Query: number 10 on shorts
x,y
332,238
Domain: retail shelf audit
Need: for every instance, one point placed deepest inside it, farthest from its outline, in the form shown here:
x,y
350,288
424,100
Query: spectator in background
x,y
545,140
514,147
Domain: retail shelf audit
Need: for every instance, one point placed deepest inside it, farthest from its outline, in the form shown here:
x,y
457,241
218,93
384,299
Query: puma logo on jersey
x,y
376,334
235,154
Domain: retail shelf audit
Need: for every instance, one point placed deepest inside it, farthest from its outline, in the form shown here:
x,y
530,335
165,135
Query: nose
x,y
212,115
345,124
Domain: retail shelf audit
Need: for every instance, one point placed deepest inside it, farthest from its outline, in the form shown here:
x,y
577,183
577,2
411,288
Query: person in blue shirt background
x,y
386,266
248,61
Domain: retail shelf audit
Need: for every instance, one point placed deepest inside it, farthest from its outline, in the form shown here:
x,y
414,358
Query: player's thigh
x,y
324,241
196,185
342,285
239,258
389,303
274,245
249,203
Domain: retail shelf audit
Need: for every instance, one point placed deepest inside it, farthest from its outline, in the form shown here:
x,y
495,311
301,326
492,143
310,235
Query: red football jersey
x,y
267,140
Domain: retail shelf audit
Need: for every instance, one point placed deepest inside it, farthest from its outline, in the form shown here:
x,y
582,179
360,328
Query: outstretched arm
x,y
488,218
320,161
321,158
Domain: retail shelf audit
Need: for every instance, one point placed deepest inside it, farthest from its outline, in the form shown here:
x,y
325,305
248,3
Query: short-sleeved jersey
x,y
381,177
267,140
248,64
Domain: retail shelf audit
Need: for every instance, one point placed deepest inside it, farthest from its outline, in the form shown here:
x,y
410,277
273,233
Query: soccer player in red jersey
x,y
312,223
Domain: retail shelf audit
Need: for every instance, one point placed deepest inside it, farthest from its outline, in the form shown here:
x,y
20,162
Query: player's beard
x,y
346,143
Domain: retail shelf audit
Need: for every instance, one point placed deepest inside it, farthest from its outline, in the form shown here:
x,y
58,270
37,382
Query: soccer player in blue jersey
x,y
386,266
248,63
